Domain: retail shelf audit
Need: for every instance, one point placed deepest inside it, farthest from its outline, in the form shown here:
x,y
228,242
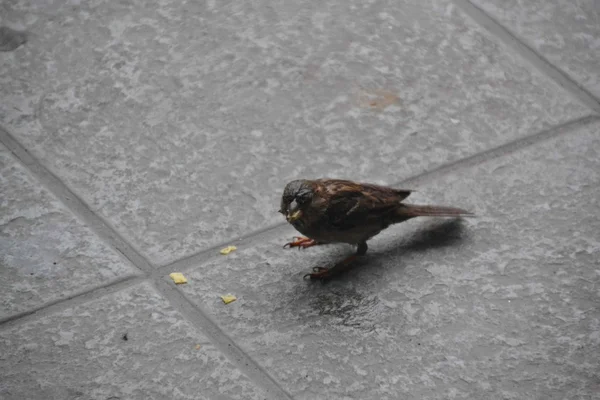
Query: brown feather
x,y
351,212
413,210
342,211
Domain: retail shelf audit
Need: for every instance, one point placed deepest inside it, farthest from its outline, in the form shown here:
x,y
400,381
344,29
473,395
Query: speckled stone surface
x,y
82,355
179,122
503,306
567,33
11,39
46,254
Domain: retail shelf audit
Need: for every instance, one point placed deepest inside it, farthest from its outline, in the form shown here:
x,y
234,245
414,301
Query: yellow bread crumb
x,y
228,250
178,278
228,298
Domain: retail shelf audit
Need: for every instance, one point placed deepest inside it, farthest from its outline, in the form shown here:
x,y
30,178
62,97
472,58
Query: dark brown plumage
x,y
342,211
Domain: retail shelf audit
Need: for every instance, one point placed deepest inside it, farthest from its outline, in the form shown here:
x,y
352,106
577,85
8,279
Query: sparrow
x,y
342,211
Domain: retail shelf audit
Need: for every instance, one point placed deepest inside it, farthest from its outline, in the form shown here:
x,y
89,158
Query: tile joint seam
x,y
538,61
74,299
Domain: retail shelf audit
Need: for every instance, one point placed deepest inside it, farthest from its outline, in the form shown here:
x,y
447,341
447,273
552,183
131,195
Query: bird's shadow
x,y
342,300
434,235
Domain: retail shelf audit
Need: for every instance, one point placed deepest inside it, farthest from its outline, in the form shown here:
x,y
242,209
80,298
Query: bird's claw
x,y
295,239
319,273
301,242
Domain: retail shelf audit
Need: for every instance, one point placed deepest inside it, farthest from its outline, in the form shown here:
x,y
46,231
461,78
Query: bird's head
x,y
296,197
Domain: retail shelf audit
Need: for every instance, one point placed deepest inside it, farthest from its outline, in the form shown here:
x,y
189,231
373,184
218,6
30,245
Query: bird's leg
x,y
301,242
320,273
362,248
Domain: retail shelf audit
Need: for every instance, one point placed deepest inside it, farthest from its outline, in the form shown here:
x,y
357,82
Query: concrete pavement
x,y
140,138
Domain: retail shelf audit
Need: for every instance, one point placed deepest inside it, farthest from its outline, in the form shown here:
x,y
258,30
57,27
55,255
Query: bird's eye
x,y
302,199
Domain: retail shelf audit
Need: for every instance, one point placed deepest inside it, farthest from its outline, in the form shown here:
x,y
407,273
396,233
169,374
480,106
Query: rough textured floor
x,y
139,138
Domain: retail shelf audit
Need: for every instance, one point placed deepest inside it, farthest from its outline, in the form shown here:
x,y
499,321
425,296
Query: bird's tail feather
x,y
413,210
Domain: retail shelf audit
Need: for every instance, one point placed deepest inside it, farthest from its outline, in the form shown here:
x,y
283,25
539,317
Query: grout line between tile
x,y
202,320
506,149
188,262
193,260
75,204
179,302
537,60
75,299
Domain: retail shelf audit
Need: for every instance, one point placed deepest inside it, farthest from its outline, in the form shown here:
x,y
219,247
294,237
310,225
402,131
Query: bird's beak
x,y
294,216
293,212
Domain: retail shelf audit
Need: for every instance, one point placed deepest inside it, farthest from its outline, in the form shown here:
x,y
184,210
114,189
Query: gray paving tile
x,y
564,32
46,254
80,353
503,306
180,122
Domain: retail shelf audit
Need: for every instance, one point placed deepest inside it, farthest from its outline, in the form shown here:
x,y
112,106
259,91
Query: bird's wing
x,y
351,204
